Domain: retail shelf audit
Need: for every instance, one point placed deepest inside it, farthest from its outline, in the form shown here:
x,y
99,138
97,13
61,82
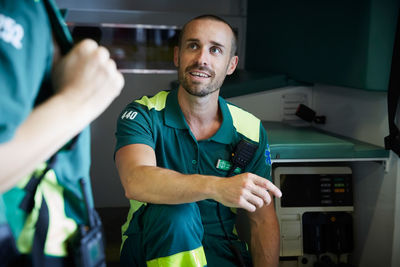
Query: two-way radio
x,y
242,155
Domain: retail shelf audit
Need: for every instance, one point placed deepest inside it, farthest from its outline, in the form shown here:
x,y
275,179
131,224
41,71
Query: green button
x,y
194,161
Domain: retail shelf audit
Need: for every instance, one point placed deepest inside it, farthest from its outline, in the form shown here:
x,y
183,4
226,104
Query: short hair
x,y
216,18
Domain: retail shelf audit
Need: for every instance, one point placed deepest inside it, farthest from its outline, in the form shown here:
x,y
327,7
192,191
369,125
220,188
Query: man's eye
x,y
215,50
192,46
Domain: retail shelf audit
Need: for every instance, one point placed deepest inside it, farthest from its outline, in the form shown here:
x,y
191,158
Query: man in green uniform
x,y
49,92
173,154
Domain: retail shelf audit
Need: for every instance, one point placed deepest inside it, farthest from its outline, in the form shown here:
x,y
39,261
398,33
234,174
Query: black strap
x,y
39,239
242,155
28,202
42,223
392,141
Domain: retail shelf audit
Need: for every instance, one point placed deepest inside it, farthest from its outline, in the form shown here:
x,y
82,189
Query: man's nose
x,y
202,57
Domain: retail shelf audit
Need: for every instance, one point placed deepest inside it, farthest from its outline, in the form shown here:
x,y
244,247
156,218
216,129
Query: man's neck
x,y
201,113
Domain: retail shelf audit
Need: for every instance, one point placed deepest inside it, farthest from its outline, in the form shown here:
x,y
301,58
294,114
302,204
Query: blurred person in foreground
x,y
50,92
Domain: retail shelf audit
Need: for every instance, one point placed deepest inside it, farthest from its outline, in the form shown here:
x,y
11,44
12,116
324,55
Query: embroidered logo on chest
x,y
11,32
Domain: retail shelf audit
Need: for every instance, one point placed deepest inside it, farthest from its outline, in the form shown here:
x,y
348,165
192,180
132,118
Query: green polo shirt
x,y
159,122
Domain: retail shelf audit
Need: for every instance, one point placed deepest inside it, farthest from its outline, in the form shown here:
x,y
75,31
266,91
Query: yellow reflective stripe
x,y
135,205
25,239
157,102
192,258
60,226
245,123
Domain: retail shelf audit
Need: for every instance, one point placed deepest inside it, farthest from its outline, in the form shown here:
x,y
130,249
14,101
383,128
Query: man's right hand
x,y
88,75
145,182
247,190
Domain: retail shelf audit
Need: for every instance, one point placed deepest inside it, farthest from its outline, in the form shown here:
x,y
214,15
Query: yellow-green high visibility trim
x,y
245,123
157,102
135,205
25,239
192,258
60,226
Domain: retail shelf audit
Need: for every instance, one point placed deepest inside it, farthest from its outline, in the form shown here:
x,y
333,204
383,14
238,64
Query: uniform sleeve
x,y
14,102
25,58
134,126
261,163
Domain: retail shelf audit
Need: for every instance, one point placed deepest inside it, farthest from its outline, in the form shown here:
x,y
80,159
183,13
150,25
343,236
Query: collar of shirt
x,y
173,117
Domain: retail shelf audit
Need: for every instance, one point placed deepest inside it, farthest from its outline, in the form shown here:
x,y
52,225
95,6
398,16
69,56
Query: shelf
x,y
308,143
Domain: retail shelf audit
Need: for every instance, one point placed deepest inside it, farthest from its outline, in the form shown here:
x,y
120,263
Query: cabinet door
x,y
344,43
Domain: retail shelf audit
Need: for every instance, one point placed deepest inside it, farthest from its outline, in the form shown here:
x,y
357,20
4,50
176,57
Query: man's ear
x,y
232,65
176,56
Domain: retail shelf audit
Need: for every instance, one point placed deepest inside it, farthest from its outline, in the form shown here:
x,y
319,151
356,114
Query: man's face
x,y
204,57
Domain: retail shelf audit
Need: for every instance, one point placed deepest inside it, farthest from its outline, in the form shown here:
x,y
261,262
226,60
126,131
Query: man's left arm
x,y
264,236
263,223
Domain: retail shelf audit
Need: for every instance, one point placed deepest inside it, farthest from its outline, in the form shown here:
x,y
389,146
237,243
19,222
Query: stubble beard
x,y
195,88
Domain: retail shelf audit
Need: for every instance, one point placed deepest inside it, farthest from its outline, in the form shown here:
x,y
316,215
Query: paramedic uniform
x,y
187,234
26,52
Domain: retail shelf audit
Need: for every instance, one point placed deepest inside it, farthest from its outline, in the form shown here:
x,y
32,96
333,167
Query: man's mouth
x,y
200,74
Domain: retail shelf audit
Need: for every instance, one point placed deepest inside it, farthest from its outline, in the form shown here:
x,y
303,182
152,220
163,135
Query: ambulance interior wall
x,y
363,115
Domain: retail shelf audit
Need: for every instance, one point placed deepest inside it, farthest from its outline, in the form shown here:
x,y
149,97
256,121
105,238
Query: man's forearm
x,y
265,250
144,181
265,237
162,186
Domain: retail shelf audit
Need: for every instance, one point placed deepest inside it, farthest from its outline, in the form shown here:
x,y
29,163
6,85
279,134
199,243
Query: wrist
x,y
75,111
210,185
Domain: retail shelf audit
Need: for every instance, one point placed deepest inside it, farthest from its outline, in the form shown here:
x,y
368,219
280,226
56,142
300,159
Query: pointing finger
x,y
256,200
268,185
243,203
